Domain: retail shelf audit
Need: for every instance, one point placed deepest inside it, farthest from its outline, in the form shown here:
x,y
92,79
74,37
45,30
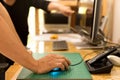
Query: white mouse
x,y
114,59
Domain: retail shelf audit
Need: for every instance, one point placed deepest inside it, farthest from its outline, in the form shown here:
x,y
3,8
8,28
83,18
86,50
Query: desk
x,y
14,70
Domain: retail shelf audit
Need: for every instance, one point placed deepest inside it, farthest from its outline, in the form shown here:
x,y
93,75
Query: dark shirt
x,y
19,14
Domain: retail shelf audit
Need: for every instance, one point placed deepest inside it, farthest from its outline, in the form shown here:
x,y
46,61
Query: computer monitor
x,y
96,19
93,35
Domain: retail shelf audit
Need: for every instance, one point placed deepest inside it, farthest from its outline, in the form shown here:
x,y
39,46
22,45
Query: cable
x,y
115,44
77,63
106,40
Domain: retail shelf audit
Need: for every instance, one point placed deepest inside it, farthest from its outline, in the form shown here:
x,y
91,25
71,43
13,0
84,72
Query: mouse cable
x,y
77,63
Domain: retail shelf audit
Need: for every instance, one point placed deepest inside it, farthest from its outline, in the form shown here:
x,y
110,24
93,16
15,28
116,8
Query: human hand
x,y
52,61
65,10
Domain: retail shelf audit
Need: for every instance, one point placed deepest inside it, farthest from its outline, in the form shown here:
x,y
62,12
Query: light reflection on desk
x,y
36,46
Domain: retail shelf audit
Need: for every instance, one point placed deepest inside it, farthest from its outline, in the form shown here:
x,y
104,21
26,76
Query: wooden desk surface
x,y
14,70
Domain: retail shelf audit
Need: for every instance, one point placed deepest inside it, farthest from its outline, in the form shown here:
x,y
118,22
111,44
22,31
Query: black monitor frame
x,y
96,19
92,33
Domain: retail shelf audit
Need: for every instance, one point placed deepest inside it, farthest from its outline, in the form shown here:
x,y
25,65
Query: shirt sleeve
x,y
42,4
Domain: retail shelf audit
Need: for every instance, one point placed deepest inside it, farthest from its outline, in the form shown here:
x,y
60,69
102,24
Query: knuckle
x,y
59,64
62,61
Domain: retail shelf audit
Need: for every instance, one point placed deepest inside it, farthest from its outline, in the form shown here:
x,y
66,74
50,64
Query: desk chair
x,y
3,68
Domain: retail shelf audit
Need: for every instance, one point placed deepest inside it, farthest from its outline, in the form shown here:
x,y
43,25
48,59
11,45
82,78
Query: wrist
x,y
37,67
54,6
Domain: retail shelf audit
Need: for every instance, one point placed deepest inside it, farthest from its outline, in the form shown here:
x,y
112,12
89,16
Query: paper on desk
x,y
70,37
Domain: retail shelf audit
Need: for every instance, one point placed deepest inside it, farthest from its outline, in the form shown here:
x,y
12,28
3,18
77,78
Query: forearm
x,y
14,50
65,10
54,6
42,4
9,2
4,14
10,45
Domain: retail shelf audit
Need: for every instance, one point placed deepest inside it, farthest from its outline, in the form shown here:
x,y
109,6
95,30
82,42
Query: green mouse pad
x,y
77,70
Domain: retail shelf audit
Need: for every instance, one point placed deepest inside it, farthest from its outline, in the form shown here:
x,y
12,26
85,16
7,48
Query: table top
x,y
86,54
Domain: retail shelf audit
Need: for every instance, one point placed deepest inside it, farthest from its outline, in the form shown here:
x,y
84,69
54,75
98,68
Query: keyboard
x,y
59,45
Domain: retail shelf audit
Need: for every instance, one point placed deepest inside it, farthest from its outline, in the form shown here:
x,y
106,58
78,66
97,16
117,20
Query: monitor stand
x,y
85,40
86,44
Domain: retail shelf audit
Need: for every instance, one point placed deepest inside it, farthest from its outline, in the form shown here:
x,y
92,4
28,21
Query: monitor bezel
x,y
96,18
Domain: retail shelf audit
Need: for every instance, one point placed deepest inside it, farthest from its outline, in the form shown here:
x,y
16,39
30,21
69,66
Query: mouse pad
x,y
77,71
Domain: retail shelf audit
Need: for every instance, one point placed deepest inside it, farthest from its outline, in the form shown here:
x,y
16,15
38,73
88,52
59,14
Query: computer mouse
x,y
114,59
56,69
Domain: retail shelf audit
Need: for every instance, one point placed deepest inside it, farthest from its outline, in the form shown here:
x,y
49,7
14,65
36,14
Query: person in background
x,y
19,9
12,47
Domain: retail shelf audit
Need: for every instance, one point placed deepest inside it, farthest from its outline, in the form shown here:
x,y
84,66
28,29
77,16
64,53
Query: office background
x,y
116,21
110,8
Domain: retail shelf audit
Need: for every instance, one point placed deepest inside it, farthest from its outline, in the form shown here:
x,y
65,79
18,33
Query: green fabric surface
x,y
76,72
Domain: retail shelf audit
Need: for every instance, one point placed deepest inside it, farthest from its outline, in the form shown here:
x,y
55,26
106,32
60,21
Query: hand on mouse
x,y
51,61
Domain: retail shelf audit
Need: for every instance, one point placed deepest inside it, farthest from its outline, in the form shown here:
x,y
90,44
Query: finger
x,y
63,61
61,66
64,58
56,56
